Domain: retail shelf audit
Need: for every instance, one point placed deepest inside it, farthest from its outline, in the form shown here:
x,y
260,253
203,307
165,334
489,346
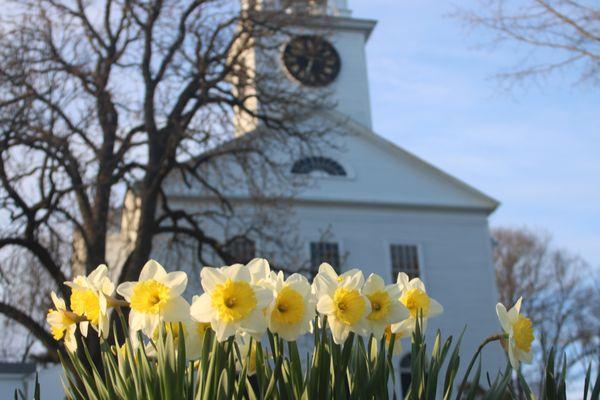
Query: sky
x,y
535,148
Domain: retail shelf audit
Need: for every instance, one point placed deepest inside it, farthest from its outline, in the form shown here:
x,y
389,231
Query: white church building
x,y
384,209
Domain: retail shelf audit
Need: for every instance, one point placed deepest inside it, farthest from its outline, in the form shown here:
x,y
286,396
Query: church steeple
x,y
325,52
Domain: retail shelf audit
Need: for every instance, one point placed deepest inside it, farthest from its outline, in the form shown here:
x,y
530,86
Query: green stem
x,y
490,339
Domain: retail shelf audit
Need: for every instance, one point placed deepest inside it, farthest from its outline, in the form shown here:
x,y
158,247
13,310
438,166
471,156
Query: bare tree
x,y
104,99
558,34
560,292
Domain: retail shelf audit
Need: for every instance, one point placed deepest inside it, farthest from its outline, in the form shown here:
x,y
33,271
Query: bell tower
x,y
324,53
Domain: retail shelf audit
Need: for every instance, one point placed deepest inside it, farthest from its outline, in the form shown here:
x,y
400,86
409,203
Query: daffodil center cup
x,y
417,301
233,300
149,297
523,333
349,305
380,305
85,302
289,307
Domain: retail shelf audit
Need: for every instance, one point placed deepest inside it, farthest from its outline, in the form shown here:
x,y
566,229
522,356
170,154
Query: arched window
x,y
327,165
405,374
241,249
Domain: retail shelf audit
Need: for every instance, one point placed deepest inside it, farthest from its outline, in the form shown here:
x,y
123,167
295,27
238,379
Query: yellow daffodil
x,y
341,300
293,307
89,299
520,333
397,340
63,323
386,307
247,346
414,296
231,302
155,298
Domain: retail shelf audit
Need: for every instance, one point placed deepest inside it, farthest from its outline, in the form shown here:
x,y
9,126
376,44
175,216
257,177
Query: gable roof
x,y
387,174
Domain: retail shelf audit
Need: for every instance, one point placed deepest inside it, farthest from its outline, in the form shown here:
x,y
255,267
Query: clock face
x,y
312,60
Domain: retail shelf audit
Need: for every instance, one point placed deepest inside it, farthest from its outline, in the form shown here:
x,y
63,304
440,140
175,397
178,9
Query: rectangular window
x,y
241,249
321,252
405,258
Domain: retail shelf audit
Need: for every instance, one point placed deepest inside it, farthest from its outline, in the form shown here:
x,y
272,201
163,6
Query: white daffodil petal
x,y
176,310
503,318
211,277
152,270
435,308
176,281
325,305
125,289
201,309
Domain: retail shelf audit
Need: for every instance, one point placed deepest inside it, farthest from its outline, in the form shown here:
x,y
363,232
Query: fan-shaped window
x,y
323,164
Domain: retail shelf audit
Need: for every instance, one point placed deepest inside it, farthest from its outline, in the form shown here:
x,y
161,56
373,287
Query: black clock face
x,y
312,60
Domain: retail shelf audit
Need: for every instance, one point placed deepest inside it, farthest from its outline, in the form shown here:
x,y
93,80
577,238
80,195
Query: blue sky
x,y
535,148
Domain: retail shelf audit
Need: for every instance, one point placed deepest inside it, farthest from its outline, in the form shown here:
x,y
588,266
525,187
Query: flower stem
x,y
490,339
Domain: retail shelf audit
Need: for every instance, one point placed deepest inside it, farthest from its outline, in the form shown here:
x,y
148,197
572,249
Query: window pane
x,y
241,249
321,252
405,258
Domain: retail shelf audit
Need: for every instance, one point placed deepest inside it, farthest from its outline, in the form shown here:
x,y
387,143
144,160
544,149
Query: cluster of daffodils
x,y
244,301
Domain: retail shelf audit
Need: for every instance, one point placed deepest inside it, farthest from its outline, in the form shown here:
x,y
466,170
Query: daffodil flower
x,y
155,298
247,348
340,299
63,323
293,307
89,299
231,302
397,340
520,333
414,296
386,307
260,271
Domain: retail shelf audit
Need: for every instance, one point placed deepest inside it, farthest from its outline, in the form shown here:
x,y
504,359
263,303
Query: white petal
x,y
393,291
526,357
201,309
339,331
517,306
125,289
176,310
239,272
255,323
70,341
83,328
417,284
59,303
373,284
98,274
136,321
107,287
503,318
264,297
353,279
325,305
211,277
176,281
223,330
152,270
435,308
259,269
514,360
327,271
402,280
398,312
